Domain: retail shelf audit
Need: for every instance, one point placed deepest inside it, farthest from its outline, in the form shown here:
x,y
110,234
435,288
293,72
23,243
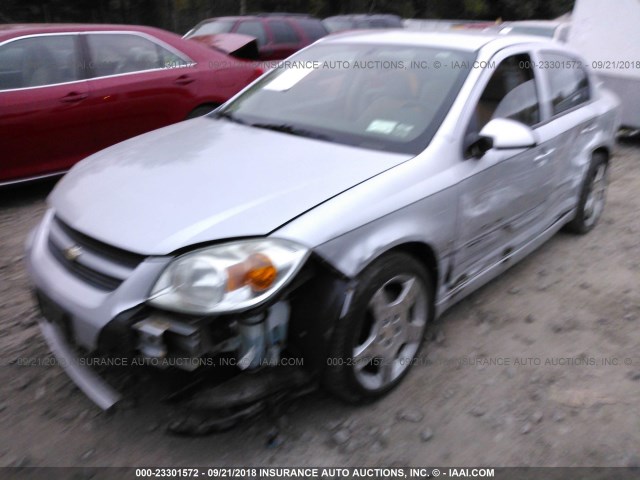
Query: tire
x,y
375,344
200,111
592,196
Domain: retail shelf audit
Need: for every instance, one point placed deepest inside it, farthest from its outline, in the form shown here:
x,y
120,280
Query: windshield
x,y
382,97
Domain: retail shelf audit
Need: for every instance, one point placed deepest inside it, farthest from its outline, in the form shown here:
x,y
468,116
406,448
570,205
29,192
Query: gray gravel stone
x,y
88,454
514,291
334,424
152,427
477,411
20,383
69,416
413,416
526,428
352,445
635,376
426,434
558,416
376,447
484,329
385,436
536,417
341,437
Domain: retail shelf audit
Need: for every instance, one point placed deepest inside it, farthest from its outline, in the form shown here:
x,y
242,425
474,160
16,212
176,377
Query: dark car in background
x,y
67,91
278,35
341,23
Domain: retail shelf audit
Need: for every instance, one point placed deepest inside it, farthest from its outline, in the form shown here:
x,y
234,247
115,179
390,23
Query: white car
x,y
329,211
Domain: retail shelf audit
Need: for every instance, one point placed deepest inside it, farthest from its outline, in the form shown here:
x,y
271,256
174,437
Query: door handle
x,y
74,97
184,80
544,155
589,128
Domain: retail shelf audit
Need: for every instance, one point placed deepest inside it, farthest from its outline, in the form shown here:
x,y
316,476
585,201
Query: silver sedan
x,y
325,215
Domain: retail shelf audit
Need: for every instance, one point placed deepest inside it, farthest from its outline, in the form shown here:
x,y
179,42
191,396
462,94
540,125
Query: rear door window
x,y
39,61
118,53
567,80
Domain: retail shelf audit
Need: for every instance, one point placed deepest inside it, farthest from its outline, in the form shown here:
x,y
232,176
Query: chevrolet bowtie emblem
x,y
72,253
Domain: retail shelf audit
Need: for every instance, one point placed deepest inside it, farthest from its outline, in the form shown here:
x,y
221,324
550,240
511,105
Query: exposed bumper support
x,y
91,384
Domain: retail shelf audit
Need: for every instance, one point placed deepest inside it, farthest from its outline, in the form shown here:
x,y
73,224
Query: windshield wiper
x,y
230,116
285,128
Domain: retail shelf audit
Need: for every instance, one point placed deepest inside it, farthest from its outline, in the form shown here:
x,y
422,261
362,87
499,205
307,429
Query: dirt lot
x,y
541,367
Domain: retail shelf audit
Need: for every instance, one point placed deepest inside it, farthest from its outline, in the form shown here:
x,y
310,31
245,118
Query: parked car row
x,y
68,91
278,35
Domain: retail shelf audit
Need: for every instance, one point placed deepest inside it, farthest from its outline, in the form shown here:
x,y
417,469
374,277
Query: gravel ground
x,y
539,368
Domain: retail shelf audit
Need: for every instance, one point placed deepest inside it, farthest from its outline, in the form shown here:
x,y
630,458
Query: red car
x,y
278,35
67,91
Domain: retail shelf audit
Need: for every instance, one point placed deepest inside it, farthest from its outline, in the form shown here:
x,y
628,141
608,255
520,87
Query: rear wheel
x,y
592,196
376,343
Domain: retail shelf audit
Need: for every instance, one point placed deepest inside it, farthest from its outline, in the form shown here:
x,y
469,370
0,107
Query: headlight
x,y
228,277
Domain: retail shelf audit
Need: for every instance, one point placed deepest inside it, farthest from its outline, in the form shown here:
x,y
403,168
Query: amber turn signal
x,y
257,271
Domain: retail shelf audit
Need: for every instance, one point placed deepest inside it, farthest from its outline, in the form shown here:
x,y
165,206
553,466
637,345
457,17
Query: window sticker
x,y
389,127
382,126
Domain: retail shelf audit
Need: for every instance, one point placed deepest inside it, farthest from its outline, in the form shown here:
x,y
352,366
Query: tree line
x,y
180,15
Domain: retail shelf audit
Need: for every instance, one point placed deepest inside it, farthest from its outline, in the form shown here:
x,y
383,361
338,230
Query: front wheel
x,y
376,343
592,196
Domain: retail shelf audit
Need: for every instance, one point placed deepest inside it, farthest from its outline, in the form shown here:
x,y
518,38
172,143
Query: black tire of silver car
x,y
592,196
376,343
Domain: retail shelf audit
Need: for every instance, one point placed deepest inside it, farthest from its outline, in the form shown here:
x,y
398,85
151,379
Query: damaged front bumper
x,y
84,377
296,325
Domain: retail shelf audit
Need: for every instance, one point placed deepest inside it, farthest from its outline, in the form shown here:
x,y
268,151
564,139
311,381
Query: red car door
x,y
137,85
44,115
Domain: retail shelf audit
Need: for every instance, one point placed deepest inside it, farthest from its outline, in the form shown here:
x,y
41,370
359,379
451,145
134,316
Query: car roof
x,y
467,40
12,30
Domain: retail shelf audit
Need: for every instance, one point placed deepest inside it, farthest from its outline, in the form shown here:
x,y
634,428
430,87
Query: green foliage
x,y
180,15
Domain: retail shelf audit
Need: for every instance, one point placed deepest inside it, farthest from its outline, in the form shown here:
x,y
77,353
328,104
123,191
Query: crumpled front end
x,y
93,299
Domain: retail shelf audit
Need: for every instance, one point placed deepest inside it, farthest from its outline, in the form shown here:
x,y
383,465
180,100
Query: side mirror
x,y
508,134
501,134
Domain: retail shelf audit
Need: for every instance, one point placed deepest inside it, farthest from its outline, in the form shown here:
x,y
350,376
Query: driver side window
x,y
511,93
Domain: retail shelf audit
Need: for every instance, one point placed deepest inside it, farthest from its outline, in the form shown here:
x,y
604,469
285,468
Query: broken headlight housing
x,y
227,278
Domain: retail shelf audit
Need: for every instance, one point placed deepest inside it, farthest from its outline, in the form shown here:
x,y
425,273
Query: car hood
x,y
203,180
